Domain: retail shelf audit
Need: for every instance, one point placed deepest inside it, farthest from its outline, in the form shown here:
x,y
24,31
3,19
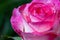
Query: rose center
x,y
41,10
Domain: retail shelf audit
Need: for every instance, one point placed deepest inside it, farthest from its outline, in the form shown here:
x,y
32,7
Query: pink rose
x,y
40,17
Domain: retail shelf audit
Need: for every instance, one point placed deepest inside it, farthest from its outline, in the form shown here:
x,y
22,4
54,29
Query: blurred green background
x,y
6,7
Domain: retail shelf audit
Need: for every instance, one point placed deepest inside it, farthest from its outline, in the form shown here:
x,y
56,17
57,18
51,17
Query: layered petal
x,y
18,23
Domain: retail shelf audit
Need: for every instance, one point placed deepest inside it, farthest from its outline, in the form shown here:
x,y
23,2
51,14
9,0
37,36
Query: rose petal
x,y
18,23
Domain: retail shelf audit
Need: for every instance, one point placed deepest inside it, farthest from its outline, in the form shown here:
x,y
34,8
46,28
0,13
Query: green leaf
x,y
16,38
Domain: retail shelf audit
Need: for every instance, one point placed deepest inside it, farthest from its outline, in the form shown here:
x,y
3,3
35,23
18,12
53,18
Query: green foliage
x,y
6,7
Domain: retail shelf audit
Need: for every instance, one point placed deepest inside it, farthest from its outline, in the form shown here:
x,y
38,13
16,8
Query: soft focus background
x,y
6,7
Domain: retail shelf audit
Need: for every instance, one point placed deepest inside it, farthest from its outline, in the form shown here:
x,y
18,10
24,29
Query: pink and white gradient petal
x,y
19,23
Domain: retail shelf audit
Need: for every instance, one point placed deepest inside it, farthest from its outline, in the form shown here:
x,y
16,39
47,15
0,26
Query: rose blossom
x,y
38,18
